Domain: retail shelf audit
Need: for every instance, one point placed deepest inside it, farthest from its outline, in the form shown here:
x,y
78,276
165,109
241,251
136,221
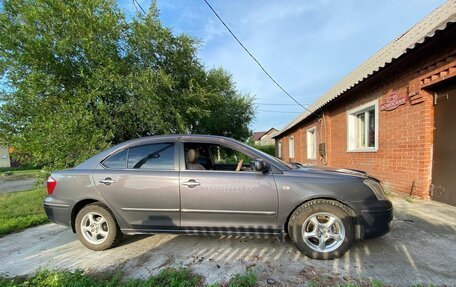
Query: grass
x,y
170,277
19,210
249,279
182,277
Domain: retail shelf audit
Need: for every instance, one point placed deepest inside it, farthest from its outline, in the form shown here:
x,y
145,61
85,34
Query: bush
x,y
269,149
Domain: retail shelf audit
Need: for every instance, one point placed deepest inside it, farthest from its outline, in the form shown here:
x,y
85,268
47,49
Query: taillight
x,y
51,183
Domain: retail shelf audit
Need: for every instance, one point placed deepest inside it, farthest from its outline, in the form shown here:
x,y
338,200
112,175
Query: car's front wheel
x,y
97,228
322,229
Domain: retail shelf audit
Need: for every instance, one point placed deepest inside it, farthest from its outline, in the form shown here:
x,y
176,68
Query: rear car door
x,y
141,184
217,197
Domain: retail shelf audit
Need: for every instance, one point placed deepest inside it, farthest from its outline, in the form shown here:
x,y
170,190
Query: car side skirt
x,y
206,231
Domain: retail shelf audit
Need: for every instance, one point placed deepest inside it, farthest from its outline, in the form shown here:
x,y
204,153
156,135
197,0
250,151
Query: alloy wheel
x,y
323,232
94,228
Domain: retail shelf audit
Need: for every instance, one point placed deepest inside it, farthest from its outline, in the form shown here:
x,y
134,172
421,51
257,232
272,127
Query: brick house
x,y
394,116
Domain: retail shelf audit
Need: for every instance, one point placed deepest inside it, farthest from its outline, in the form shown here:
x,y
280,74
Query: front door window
x,y
204,156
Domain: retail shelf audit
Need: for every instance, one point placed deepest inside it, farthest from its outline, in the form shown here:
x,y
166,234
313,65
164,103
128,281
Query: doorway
x,y
443,187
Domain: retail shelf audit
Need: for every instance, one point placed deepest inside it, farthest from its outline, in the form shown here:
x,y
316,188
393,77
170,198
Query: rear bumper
x,y
376,222
57,212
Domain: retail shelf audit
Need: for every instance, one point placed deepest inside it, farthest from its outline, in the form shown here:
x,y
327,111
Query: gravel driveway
x,y
420,249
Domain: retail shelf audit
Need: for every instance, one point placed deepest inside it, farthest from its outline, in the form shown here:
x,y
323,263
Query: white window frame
x,y
311,132
291,146
279,147
352,127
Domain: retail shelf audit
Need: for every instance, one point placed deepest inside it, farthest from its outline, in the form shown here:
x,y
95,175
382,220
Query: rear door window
x,y
152,156
117,160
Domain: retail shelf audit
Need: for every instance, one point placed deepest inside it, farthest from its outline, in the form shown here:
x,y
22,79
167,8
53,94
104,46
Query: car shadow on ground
x,y
418,250
130,239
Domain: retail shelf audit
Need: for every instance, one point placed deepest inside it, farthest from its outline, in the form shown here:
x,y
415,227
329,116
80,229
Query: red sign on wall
x,y
393,101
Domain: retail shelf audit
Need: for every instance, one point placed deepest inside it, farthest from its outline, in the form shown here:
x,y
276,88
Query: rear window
x,y
117,160
153,156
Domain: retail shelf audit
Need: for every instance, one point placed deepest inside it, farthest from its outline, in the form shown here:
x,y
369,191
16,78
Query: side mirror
x,y
260,165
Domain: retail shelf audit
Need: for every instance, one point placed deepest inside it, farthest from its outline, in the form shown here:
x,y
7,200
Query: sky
x,y
307,46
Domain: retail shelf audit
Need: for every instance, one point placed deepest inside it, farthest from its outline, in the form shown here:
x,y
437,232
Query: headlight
x,y
376,188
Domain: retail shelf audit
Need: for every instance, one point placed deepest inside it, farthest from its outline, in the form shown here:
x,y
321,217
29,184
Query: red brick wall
x,y
403,160
300,139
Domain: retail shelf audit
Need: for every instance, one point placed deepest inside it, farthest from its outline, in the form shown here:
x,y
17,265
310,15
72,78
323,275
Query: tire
x,y
322,220
97,228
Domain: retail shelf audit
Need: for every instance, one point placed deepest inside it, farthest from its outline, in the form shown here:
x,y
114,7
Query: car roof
x,y
96,159
182,136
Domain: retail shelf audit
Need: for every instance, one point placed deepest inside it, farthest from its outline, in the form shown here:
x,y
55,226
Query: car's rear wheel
x,y
322,229
97,228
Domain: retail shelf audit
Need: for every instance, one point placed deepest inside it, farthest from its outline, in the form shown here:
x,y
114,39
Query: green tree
x,y
227,110
78,77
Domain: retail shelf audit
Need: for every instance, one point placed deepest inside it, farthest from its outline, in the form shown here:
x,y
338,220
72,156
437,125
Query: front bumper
x,y
376,222
57,212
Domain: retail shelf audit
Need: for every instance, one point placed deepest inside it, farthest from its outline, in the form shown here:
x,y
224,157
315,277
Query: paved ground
x,y
16,185
420,249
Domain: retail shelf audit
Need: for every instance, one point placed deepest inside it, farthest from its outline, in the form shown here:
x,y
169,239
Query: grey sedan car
x,y
198,184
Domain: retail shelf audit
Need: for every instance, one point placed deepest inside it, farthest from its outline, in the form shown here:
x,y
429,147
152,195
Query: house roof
x,y
258,135
426,28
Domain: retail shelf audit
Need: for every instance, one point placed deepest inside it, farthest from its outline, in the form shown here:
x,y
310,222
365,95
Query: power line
x,y
135,2
139,5
253,57
285,112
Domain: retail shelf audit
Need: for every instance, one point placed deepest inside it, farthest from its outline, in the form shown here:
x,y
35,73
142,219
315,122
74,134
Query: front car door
x,y
141,184
216,197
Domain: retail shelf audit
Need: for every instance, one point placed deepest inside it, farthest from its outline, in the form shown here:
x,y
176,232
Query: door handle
x,y
191,183
107,181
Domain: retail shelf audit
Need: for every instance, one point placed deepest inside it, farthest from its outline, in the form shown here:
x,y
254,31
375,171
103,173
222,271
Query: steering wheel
x,y
239,165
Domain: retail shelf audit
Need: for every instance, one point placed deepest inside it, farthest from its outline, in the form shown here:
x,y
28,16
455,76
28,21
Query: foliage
x,y
19,210
175,277
269,149
248,279
21,167
8,173
377,283
47,278
171,277
79,77
18,174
